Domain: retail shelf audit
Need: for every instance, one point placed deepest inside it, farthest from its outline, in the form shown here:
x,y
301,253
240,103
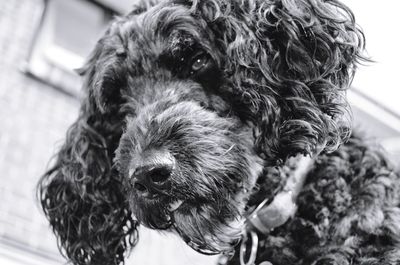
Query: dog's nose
x,y
150,180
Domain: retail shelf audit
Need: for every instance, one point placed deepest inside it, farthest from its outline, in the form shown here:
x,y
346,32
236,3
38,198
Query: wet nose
x,y
150,180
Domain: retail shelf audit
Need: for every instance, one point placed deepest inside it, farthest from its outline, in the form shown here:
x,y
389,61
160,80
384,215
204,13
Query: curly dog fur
x,y
222,93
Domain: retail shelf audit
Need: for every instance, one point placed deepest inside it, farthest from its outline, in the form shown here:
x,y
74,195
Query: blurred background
x,y
41,41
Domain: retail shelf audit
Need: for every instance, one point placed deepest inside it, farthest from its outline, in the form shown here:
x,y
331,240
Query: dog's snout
x,y
151,179
157,174
153,176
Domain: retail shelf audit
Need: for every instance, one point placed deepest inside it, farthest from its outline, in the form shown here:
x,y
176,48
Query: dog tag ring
x,y
253,250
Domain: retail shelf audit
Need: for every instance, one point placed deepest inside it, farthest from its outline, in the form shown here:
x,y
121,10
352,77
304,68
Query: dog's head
x,y
186,103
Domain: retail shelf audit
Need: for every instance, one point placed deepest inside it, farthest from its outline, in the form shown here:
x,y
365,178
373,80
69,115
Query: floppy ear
x,y
105,71
83,197
82,194
290,62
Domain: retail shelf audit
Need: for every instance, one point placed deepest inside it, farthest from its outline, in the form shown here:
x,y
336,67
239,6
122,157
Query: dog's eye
x,y
199,62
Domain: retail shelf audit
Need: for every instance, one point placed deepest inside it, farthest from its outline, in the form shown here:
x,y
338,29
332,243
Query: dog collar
x,y
271,214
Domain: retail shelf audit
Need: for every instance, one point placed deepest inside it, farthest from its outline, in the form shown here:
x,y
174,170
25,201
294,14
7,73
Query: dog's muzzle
x,y
188,169
153,177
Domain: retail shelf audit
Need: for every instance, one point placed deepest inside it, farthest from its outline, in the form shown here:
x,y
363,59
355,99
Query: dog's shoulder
x,y
350,203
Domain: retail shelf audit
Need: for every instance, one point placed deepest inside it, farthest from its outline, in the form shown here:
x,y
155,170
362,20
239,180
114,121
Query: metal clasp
x,y
253,250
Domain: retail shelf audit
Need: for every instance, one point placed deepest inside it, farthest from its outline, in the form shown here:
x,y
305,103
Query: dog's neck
x,y
273,212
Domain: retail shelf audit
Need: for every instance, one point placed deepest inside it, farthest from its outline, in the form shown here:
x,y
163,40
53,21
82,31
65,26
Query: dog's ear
x,y
104,72
290,62
82,194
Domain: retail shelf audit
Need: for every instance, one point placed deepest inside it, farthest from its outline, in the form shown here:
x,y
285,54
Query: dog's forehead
x,y
163,26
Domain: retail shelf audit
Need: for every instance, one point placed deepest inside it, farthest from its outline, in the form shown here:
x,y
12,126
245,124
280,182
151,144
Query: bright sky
x,y
381,24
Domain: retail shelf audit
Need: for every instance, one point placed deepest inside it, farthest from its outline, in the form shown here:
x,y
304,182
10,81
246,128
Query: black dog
x,y
191,113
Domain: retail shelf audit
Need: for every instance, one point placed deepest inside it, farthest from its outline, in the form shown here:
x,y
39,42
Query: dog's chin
x,y
201,226
153,214
208,228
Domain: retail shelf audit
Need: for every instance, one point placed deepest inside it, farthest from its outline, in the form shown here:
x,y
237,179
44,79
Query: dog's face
x,y
187,102
187,160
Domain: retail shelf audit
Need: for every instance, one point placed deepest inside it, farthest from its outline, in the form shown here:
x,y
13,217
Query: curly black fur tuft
x,y
348,211
80,194
288,64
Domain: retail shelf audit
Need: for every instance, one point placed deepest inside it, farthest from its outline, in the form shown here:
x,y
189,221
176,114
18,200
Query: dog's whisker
x,y
229,149
175,205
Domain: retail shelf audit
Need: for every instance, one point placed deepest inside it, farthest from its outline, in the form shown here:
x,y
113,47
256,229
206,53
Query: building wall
x,y
33,118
